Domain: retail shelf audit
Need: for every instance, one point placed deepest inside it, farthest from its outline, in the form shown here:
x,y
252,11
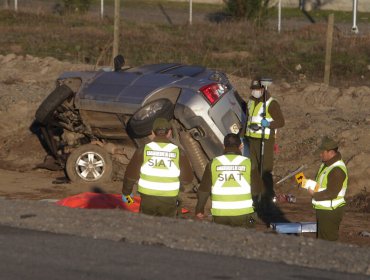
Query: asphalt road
x,y
29,254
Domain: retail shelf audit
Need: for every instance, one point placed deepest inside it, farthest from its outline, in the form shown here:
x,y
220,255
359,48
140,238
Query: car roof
x,y
135,84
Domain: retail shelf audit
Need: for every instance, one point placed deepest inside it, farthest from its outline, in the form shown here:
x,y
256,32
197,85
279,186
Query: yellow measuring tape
x,y
129,200
299,177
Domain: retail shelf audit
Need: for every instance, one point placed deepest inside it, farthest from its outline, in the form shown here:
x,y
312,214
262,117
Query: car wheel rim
x,y
90,166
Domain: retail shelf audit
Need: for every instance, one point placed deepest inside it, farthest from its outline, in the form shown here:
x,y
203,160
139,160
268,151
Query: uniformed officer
x,y
160,167
227,180
331,185
264,116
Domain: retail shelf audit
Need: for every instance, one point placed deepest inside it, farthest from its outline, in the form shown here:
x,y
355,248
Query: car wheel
x,y
52,102
89,163
141,123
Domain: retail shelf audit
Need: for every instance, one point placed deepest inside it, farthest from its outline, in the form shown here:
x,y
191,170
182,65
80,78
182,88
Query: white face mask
x,y
257,93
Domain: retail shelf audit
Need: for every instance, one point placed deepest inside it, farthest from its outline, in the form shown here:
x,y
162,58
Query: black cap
x,y
256,84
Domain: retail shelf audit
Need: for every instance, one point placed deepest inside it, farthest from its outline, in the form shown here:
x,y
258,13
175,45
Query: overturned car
x,y
93,120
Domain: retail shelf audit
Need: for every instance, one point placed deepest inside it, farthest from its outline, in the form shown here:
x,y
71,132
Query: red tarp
x,y
102,201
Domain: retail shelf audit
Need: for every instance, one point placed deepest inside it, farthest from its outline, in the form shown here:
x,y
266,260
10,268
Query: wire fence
x,y
165,12
105,8
80,48
137,11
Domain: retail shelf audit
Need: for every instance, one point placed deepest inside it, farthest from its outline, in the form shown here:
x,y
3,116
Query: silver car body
x,y
205,104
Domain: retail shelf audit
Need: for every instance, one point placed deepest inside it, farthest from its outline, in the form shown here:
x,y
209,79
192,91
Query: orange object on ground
x,y
90,200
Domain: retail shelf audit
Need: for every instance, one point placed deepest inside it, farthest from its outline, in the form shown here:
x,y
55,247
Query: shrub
x,y
254,10
80,6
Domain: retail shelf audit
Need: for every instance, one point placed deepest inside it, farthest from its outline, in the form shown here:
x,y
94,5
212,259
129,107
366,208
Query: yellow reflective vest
x,y
231,190
255,116
322,180
160,172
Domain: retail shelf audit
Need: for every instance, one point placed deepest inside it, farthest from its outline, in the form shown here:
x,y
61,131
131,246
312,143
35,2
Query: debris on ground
x,y
360,202
364,234
285,198
96,200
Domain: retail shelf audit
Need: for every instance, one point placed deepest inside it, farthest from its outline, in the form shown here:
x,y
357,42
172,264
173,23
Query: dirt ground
x,y
311,111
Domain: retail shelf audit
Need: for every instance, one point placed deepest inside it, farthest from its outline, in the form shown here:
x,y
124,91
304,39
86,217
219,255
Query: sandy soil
x,y
311,111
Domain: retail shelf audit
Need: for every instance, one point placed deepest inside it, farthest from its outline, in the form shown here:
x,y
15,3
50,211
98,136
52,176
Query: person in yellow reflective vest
x,y
160,168
227,180
262,121
331,185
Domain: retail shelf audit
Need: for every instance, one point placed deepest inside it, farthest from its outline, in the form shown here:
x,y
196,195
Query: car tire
x,y
52,102
195,153
89,163
141,123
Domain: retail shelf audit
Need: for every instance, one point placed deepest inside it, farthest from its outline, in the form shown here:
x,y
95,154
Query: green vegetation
x,y
252,10
236,47
80,6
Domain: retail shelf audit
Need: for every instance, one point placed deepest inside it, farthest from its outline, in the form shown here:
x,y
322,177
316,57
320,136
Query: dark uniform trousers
x,y
236,221
158,205
328,222
264,184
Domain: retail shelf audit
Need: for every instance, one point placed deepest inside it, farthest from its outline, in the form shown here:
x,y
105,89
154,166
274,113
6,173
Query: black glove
x,y
254,127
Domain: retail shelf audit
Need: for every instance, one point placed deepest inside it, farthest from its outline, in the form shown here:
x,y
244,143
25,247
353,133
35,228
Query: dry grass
x,y
262,51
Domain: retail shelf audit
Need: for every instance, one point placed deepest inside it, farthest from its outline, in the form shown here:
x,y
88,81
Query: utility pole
x,y
329,45
354,9
116,28
102,9
279,16
190,12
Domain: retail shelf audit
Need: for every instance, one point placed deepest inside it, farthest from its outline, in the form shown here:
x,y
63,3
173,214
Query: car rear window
x,y
189,71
